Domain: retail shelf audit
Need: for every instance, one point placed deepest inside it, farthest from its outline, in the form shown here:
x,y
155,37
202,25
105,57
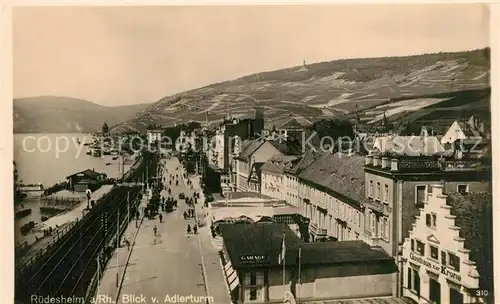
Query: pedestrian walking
x,y
161,217
195,229
185,215
189,229
154,230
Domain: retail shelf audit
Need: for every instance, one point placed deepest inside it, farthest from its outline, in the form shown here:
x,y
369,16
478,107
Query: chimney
x,y
368,160
376,160
394,164
385,162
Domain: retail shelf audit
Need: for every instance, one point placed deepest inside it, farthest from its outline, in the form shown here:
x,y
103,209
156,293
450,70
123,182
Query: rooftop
x,y
303,162
339,173
408,145
474,216
287,147
266,240
89,173
279,163
248,148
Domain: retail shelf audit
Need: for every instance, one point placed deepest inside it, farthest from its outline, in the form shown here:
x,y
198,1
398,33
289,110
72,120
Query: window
x,y
420,194
357,236
430,220
434,252
370,190
443,258
412,245
359,219
463,189
373,222
378,191
416,282
453,261
421,248
384,228
386,193
409,275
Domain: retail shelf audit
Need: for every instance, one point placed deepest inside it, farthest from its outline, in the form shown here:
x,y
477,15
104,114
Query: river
x,y
47,159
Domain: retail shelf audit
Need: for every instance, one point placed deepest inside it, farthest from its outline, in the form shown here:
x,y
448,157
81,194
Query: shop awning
x,y
231,276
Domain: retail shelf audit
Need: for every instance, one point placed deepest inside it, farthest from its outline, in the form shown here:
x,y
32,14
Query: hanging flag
x,y
283,251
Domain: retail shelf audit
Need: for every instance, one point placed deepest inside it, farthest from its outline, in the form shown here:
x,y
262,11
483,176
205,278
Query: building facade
x,y
257,151
331,196
439,266
273,180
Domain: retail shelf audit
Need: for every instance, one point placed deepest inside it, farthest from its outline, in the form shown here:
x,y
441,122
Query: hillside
x,y
329,89
50,114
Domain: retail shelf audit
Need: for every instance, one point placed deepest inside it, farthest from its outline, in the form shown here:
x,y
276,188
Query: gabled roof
x,y
256,167
279,163
250,149
291,123
87,173
287,147
304,162
474,216
341,174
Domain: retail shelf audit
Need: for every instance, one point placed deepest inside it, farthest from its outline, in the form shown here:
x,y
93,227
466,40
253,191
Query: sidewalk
x,y
216,281
108,282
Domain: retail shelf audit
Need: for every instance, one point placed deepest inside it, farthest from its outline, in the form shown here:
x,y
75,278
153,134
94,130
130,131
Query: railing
x,y
317,230
59,233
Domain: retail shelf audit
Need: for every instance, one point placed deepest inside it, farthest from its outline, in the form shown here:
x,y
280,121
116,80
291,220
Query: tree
x,y
105,128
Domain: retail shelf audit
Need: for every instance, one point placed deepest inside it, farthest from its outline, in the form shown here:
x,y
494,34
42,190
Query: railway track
x,y
68,268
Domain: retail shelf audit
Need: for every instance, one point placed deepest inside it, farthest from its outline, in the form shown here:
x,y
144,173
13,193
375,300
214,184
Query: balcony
x,y
315,229
377,206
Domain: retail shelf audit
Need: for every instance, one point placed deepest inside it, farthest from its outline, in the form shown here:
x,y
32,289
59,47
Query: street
x,y
169,263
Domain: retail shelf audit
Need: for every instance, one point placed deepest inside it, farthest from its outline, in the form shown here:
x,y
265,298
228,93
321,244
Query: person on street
x,y
185,215
195,229
189,229
154,230
161,217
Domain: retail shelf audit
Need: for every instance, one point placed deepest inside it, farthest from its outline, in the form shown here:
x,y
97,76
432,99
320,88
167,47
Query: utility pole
x,y
117,245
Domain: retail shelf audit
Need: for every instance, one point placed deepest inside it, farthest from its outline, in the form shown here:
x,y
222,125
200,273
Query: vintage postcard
x,y
319,154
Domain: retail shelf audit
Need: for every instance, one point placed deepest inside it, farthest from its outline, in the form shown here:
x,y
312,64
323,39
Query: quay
x,y
68,264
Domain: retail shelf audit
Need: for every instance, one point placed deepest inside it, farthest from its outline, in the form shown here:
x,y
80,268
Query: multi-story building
x,y
273,181
254,152
396,187
154,135
448,255
332,193
215,149
291,176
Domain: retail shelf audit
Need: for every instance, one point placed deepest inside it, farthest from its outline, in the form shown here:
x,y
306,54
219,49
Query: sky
x,y
130,55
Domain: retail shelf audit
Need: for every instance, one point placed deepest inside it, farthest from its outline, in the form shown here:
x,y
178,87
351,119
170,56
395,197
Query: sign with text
x,y
253,258
436,267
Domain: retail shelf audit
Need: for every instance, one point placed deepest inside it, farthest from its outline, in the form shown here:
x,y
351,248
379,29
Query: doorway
x,y
434,291
456,296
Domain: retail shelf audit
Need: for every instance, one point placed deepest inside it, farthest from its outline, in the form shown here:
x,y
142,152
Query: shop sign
x,y
259,258
438,268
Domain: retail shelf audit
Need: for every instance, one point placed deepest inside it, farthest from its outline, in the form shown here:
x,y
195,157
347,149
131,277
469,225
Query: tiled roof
x,y
287,147
266,239
340,173
304,162
474,216
250,149
87,173
279,163
408,145
468,130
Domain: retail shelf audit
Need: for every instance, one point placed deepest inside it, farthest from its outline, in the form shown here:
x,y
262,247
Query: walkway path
x,y
166,265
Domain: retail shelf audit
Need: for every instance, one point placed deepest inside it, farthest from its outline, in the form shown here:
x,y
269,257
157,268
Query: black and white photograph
x,y
229,154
